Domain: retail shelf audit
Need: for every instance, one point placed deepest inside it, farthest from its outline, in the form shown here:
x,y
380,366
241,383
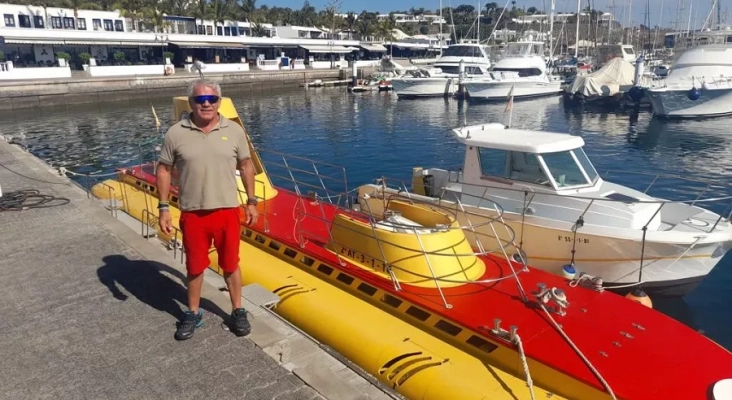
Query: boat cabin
x,y
522,59
546,161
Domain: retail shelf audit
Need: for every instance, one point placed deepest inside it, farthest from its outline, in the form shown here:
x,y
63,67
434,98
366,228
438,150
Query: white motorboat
x,y
564,217
442,79
698,85
522,68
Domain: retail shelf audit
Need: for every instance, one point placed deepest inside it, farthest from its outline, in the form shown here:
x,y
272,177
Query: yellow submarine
x,y
414,363
400,292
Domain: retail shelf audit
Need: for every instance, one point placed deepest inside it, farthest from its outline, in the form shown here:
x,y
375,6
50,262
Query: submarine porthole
x,y
325,269
290,253
259,238
274,245
248,232
307,261
391,300
448,328
481,344
368,289
418,313
345,279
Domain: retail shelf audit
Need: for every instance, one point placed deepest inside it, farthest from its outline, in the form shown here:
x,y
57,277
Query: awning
x,y
32,41
39,41
206,45
327,49
373,47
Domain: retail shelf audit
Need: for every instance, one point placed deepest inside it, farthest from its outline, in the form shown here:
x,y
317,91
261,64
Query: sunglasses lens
x,y
203,99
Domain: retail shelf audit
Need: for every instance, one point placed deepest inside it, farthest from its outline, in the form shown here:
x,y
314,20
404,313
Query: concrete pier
x,y
85,90
89,307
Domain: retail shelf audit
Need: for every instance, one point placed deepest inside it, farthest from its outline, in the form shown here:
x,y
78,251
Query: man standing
x,y
206,148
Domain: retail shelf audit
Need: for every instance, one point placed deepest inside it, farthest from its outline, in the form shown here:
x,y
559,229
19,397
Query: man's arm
x,y
166,160
245,165
247,172
163,181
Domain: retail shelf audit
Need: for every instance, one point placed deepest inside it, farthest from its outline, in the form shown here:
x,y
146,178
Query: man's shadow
x,y
145,280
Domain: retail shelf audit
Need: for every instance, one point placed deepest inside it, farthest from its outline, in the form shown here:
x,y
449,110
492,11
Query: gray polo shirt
x,y
206,163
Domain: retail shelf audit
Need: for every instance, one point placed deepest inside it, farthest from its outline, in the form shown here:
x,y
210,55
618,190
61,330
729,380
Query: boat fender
x,y
640,296
568,271
722,390
693,94
635,93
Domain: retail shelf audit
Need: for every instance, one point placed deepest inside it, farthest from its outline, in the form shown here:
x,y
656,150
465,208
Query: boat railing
x,y
306,176
381,261
455,207
580,222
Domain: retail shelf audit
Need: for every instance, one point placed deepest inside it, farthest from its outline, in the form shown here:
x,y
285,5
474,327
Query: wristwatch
x,y
252,201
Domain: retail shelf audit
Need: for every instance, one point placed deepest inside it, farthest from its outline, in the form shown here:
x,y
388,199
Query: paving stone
x,y
86,316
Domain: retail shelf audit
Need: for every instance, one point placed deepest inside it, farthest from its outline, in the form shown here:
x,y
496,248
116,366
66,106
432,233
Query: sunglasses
x,y
202,99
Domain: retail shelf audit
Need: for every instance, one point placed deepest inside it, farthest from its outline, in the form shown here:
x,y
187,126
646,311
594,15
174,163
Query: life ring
x,y
168,70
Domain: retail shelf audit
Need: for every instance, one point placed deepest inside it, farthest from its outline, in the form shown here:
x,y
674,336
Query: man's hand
x,y
165,222
252,214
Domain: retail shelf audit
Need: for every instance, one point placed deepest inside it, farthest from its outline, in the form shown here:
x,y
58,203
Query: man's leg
x,y
233,282
196,242
227,242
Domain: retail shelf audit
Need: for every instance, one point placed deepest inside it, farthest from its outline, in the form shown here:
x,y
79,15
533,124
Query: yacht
x,y
442,79
699,84
523,69
565,218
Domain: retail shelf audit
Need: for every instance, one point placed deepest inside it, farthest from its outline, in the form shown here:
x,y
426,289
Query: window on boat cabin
x,y
564,169
521,71
586,165
449,69
513,165
462,51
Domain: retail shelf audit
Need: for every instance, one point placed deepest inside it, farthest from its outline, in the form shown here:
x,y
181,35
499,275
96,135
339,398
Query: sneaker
x,y
190,322
239,322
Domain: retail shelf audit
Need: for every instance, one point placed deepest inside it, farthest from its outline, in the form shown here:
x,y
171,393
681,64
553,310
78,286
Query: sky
x,y
660,10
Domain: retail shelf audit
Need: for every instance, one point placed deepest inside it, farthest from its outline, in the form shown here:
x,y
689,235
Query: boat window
x,y
492,162
586,165
525,167
521,71
449,69
564,169
462,51
517,49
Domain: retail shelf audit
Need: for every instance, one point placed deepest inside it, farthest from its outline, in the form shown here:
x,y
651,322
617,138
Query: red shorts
x,y
202,228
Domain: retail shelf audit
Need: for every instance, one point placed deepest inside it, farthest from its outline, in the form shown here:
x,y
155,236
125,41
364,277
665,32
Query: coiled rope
x,y
29,199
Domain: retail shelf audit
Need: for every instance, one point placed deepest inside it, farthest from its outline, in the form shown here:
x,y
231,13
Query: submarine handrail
x,y
383,181
417,252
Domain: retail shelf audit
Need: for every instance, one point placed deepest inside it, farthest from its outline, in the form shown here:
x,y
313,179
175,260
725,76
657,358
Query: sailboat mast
x,y
551,33
576,33
440,37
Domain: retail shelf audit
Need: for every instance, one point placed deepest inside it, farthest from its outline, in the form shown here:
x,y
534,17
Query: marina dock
x,y
89,309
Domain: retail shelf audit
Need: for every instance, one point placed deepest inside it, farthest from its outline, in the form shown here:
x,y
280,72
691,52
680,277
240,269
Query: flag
x,y
509,106
157,121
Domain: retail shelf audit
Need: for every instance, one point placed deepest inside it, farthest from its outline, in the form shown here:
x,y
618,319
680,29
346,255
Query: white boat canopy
x,y
497,136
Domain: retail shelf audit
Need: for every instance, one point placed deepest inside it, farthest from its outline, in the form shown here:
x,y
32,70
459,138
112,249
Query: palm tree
x,y
201,11
80,4
248,7
132,9
220,12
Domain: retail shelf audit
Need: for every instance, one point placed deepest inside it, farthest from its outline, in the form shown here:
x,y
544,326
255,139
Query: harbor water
x,y
375,134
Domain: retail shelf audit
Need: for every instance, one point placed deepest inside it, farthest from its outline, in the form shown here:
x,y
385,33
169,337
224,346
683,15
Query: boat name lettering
x,y
569,239
362,258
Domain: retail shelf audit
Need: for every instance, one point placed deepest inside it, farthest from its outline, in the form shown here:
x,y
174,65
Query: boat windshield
x,y
524,49
462,51
568,168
